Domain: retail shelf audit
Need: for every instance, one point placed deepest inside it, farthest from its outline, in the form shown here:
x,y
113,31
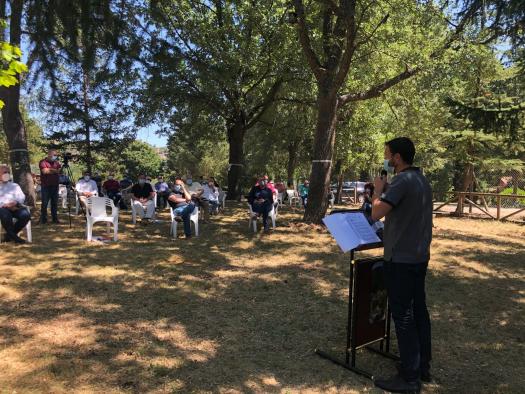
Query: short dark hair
x,y
404,146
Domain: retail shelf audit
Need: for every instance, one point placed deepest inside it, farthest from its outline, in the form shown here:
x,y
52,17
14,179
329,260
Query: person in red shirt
x,y
49,174
111,188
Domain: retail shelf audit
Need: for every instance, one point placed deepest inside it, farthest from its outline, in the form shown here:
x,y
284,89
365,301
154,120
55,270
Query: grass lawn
x,y
232,312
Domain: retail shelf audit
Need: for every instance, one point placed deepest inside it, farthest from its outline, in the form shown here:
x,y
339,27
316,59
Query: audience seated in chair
x,y
11,207
86,187
261,201
180,201
125,186
111,189
163,192
211,194
196,191
142,196
303,192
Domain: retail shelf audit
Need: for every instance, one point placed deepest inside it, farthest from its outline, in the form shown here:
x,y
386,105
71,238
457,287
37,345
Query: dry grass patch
x,y
234,312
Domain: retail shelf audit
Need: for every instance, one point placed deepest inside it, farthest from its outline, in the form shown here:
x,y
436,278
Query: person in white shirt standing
x,y
11,207
86,187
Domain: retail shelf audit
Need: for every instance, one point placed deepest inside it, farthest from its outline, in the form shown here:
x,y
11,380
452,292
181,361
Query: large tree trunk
x,y
12,118
468,178
236,135
322,156
293,148
339,172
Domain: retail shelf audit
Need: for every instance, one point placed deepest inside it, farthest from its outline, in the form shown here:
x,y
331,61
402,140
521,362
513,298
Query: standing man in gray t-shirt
x,y
407,205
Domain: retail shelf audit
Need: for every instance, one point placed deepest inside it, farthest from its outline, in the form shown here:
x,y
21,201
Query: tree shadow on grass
x,y
226,311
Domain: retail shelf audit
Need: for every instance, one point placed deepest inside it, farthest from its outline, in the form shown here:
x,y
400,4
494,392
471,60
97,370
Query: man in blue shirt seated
x,y
11,200
180,200
261,201
163,192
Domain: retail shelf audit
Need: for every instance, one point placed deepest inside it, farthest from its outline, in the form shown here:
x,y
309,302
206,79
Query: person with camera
x,y
49,182
180,201
85,188
261,201
11,207
407,207
142,196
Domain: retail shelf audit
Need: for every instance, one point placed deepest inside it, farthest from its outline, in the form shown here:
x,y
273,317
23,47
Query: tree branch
x,y
304,39
378,89
259,110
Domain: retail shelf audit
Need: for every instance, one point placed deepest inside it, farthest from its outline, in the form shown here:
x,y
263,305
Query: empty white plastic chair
x,y
253,218
29,234
280,199
194,218
332,200
293,197
96,212
222,200
62,193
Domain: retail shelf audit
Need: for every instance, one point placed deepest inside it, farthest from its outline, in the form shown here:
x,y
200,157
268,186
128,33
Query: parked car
x,y
349,187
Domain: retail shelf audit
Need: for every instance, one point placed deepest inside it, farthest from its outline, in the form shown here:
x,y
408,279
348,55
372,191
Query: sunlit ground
x,y
232,312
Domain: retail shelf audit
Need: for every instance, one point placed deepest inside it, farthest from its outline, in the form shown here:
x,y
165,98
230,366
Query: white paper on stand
x,y
350,230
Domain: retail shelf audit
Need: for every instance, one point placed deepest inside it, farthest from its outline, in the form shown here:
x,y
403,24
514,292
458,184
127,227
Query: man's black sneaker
x,y
178,219
56,221
396,384
425,375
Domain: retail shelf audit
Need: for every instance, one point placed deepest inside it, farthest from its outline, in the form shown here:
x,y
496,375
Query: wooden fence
x,y
478,200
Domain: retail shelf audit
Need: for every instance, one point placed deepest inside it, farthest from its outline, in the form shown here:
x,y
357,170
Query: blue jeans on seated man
x,y
264,209
22,217
406,296
185,212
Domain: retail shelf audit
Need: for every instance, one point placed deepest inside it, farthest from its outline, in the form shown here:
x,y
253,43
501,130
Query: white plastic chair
x,y
280,198
222,199
29,234
253,221
194,217
62,193
134,213
293,197
96,212
331,201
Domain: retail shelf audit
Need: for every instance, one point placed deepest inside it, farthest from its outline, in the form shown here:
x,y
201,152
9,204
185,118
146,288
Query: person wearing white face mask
x,y
49,179
86,187
142,199
11,200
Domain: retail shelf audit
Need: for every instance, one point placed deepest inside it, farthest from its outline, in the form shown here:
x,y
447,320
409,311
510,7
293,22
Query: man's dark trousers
x,y
22,217
406,296
49,194
264,209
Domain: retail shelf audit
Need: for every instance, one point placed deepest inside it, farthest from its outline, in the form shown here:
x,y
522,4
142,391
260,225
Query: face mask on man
x,y
142,181
178,188
189,181
387,165
111,177
87,178
54,158
6,177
